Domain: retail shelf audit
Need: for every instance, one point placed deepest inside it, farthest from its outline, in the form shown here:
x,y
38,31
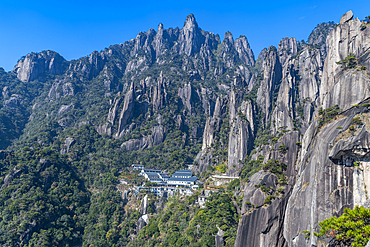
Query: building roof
x,y
152,175
151,170
191,179
164,175
186,171
183,173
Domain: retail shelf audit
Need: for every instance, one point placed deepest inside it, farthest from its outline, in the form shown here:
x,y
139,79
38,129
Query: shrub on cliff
x,y
350,229
327,115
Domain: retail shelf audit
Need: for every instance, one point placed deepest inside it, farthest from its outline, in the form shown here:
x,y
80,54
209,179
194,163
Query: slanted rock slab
x,y
346,17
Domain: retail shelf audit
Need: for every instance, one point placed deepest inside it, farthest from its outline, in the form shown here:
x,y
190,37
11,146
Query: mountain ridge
x,y
172,97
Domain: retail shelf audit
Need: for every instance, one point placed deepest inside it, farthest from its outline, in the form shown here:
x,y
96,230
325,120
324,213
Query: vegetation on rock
x,y
327,115
352,228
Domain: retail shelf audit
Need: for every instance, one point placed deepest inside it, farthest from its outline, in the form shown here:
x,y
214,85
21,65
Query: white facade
x,y
137,167
179,178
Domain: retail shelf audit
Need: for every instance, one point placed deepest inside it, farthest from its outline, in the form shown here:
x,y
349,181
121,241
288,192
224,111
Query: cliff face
x,y
346,87
241,134
34,65
262,223
322,179
327,180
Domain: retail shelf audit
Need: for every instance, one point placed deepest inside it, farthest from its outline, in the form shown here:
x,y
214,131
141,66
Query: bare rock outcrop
x,y
104,129
272,75
144,219
260,60
346,84
245,53
310,63
110,76
318,36
65,108
61,88
13,101
212,125
190,37
127,111
9,177
208,133
91,66
5,92
159,93
262,220
188,95
346,17
160,44
219,237
144,142
240,136
33,65
286,49
282,114
67,144
113,110
262,227
255,196
328,178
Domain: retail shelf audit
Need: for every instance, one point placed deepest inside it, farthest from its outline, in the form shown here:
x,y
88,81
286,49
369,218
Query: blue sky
x,y
76,28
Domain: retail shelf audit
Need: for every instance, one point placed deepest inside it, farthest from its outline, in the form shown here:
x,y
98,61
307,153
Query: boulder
x,y
67,144
346,17
13,101
65,108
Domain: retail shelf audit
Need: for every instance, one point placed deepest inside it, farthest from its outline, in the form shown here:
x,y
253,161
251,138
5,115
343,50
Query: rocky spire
x,y
240,135
191,38
244,51
190,23
159,94
160,27
345,86
127,111
229,37
272,75
286,49
159,43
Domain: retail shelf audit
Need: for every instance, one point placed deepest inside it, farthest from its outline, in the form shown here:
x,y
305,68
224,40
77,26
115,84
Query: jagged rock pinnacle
x,y
190,22
160,27
229,37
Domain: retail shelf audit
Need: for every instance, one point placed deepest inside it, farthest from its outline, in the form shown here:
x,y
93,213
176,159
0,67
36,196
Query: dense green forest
x,y
183,223
51,199
47,199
